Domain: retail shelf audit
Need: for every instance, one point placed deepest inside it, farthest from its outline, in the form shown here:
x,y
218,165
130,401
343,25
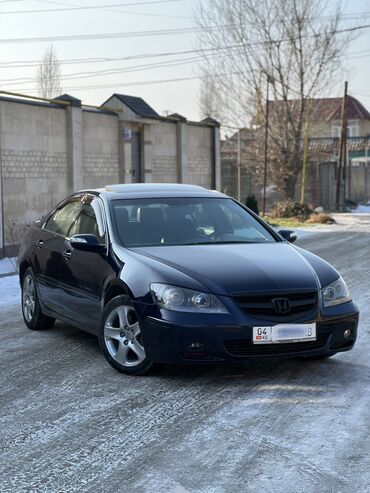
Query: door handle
x,y
67,254
39,243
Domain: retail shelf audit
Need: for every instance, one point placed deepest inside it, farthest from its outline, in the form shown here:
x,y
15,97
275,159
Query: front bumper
x,y
170,342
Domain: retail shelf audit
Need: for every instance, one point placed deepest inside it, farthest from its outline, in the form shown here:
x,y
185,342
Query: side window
x,y
89,221
64,218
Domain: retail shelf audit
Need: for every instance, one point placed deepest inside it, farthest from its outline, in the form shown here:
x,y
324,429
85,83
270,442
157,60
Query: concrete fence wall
x,y
34,164
164,157
100,149
48,151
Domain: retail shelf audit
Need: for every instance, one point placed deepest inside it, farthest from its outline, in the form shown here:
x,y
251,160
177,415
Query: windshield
x,y
185,221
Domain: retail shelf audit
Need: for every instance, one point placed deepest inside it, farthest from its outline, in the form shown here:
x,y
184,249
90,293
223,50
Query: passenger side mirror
x,y
288,235
87,243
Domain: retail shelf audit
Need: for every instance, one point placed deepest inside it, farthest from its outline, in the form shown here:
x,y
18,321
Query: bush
x,y
321,218
291,209
252,204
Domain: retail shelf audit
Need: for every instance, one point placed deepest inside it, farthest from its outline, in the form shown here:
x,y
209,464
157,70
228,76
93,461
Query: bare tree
x,y
296,45
209,100
49,74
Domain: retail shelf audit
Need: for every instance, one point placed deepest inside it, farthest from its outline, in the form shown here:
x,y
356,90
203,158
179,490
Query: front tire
x,y
31,308
120,338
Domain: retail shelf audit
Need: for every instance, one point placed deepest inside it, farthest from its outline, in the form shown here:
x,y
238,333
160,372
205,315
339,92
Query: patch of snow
x,y
361,209
306,232
8,265
9,291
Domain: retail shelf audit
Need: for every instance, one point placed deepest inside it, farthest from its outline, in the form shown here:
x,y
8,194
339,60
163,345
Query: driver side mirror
x,y
87,243
288,235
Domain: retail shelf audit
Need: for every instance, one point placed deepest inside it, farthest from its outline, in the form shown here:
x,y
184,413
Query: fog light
x,y
196,345
347,333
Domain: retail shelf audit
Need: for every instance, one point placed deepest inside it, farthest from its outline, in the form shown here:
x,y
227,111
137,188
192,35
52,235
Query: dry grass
x,y
321,218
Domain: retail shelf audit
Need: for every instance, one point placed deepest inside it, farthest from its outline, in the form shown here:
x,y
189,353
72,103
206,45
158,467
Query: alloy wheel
x,y
28,298
122,336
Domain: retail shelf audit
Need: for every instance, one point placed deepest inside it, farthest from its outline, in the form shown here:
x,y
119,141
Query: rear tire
x,y
31,308
120,338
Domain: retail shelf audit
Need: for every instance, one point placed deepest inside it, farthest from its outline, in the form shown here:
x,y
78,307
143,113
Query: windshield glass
x,y
185,221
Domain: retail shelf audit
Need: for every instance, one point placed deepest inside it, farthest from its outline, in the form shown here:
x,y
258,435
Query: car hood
x,y
228,269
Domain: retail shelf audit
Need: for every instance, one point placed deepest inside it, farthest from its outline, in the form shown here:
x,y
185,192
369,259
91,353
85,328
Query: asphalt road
x,y
70,423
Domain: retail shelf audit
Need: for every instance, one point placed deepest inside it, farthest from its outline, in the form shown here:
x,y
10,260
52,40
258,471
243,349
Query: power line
x,y
124,84
78,61
100,73
164,32
86,7
73,61
80,37
130,12
130,69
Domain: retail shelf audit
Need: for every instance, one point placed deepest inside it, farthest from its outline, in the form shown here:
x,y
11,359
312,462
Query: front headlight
x,y
185,300
336,293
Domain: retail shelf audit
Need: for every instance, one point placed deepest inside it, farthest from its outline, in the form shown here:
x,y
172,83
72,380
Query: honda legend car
x,y
177,273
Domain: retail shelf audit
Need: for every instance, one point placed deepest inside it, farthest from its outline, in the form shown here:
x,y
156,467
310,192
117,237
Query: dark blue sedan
x,y
178,273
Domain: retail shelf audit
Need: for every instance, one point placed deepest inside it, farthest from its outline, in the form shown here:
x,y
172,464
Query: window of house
x,y
353,129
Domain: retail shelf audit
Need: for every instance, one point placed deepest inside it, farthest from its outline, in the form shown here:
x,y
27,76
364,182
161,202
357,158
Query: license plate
x,y
284,333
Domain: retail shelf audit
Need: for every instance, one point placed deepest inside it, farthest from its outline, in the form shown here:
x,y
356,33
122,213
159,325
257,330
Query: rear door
x,y
84,274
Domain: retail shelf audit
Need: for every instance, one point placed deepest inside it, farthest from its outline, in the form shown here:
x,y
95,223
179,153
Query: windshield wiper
x,y
219,242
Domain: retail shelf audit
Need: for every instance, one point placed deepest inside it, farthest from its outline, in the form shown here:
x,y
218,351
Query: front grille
x,y
245,347
262,305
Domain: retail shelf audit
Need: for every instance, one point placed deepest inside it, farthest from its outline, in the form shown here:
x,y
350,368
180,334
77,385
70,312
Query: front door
x,y
83,274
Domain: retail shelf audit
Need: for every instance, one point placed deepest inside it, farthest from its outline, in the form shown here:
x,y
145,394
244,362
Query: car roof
x,y
149,190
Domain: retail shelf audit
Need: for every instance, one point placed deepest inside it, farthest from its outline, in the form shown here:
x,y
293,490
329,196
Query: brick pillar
x,y
75,178
125,165
146,153
216,158
182,150
121,153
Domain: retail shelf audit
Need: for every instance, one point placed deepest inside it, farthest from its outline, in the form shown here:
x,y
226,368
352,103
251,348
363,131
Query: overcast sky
x,y
176,96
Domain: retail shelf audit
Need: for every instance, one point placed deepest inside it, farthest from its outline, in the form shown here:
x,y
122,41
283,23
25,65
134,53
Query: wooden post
x,y
266,148
342,148
305,153
238,168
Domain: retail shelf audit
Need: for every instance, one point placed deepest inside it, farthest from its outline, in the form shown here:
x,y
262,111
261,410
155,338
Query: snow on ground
x,y
8,266
361,209
9,291
70,423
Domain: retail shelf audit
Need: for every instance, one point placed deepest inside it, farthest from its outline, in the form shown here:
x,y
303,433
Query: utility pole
x,y
342,150
266,147
305,152
239,163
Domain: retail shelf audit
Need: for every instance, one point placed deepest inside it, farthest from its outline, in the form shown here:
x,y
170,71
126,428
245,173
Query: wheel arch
x,y
25,264
116,288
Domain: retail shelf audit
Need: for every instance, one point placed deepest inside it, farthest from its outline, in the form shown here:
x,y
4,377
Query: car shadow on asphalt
x,y
339,370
